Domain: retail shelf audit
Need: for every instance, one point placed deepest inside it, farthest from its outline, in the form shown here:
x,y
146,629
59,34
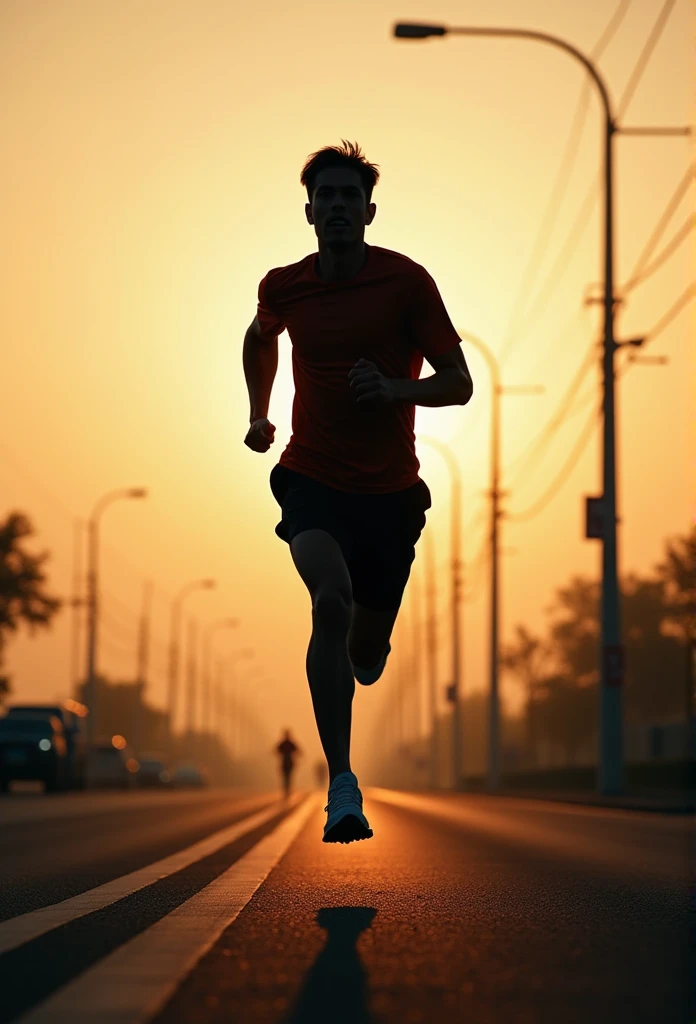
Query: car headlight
x,y
44,744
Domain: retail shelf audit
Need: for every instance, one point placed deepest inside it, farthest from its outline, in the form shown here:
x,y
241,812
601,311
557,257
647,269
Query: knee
x,y
332,608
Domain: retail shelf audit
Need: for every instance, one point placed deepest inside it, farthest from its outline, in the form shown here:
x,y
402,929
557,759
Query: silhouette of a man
x,y
361,319
288,751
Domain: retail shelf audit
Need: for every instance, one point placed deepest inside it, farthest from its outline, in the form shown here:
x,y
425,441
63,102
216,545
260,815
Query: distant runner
x,y
360,318
287,750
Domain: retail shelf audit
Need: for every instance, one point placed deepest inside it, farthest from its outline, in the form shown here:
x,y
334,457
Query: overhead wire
x,y
534,450
560,185
563,474
665,217
562,262
675,309
640,270
670,248
644,57
593,421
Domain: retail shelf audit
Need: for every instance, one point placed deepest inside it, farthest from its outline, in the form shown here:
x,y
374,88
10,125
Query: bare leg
x,y
321,565
369,634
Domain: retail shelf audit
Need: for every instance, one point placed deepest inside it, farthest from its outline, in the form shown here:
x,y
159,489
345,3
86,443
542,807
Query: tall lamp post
x,y
208,634
610,775
232,719
453,693
431,649
174,640
497,391
93,601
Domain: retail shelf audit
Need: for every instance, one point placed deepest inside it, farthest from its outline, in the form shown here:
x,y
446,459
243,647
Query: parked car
x,y
72,717
111,767
153,773
33,748
189,775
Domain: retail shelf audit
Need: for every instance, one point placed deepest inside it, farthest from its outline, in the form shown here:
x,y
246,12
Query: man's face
x,y
339,209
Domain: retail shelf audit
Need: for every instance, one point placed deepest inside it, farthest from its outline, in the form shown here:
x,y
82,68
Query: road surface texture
x,y
223,906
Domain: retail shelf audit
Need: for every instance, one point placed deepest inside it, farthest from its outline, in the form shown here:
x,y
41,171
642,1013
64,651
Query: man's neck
x,y
334,263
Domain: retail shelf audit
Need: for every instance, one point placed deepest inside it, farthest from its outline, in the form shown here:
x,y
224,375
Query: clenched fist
x,y
260,435
369,386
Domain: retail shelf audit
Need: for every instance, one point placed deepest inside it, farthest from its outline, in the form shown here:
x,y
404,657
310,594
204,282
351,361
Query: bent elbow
x,y
467,389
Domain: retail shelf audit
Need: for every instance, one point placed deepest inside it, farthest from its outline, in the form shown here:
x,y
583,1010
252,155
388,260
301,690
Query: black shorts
x,y
377,532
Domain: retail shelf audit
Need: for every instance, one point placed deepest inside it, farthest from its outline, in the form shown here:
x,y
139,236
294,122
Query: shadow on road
x,y
335,988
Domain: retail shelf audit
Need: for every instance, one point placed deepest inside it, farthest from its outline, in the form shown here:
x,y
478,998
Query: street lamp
x,y
207,642
431,655
93,601
453,692
497,390
232,720
610,775
174,631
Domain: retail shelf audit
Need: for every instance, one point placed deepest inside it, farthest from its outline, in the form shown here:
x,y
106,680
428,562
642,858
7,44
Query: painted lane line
x,y
23,810
130,985
18,930
569,838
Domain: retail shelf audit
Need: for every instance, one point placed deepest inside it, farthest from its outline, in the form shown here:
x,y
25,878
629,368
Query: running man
x,y
360,318
287,750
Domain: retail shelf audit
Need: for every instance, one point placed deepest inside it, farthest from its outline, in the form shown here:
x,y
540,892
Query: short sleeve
x,y
271,324
431,328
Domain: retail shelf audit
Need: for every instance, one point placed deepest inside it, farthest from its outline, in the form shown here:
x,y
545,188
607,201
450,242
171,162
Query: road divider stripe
x,y
25,927
131,985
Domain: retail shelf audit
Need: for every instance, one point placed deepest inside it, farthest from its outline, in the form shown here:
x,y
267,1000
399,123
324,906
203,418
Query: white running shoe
x,y
368,676
346,821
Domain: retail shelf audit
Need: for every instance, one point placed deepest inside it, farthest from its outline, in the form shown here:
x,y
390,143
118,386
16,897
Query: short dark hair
x,y
348,155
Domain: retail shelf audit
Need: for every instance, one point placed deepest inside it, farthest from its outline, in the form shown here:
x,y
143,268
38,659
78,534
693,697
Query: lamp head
x,y
137,492
409,30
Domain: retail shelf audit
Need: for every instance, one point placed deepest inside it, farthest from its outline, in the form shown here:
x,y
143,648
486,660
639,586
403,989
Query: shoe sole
x,y
348,830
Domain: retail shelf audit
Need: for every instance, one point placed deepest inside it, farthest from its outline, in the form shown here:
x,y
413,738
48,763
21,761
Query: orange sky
x,y
150,178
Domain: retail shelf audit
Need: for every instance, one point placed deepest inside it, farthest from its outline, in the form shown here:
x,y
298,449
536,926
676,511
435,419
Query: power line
x,y
561,264
565,471
669,250
684,299
537,446
559,268
63,510
659,229
561,183
645,56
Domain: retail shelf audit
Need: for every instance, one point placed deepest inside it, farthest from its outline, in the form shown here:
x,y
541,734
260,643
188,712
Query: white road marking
x,y
130,985
26,927
32,808
563,834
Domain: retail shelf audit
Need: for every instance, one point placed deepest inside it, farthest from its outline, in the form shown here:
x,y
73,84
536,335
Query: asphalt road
x,y
461,908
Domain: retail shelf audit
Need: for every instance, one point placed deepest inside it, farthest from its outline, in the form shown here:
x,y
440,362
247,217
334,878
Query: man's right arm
x,y
260,358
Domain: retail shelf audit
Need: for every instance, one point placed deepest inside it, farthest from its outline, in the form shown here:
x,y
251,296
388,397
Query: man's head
x,y
339,182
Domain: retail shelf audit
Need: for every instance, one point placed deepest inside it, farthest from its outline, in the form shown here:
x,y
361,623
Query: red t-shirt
x,y
391,313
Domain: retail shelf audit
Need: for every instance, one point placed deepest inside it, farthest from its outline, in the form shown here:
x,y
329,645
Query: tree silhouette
x,y
527,658
23,599
560,672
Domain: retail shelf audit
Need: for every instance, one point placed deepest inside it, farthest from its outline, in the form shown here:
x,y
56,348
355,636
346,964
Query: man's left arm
x,y
450,384
431,332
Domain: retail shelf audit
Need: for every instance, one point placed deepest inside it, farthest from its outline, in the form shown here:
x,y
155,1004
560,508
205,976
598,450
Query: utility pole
x,y
77,603
495,495
143,663
192,640
611,655
93,611
431,652
456,575
174,631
